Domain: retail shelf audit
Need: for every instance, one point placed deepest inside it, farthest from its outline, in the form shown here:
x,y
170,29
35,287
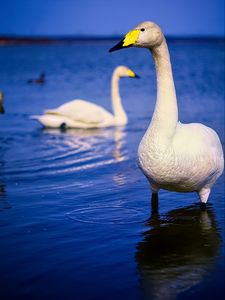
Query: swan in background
x,y
2,111
83,114
39,80
173,156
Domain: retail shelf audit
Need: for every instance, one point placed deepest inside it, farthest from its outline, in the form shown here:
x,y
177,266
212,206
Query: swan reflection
x,y
87,149
3,202
177,251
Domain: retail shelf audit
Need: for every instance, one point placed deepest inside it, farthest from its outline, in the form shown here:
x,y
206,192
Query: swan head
x,y
144,35
123,71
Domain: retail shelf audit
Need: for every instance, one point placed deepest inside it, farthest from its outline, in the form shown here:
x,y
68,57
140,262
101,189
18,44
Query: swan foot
x,y
204,195
63,126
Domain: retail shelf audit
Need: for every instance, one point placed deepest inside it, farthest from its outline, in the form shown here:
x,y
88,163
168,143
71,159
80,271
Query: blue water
x,y
75,213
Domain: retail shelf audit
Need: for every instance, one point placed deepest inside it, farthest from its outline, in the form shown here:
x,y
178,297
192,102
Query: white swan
x,y
173,156
2,111
83,114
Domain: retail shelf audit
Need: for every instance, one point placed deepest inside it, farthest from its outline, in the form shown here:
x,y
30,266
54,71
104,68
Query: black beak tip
x,y
137,76
118,46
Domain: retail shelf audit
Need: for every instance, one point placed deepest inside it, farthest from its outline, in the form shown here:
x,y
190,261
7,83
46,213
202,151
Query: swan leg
x,y
154,212
154,188
204,195
154,202
154,199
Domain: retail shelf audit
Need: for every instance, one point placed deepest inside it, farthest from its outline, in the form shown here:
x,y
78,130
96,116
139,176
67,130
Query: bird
x,y
2,110
39,80
80,113
172,155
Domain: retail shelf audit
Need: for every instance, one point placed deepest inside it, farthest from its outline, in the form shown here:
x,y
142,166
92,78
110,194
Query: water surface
x,y
75,214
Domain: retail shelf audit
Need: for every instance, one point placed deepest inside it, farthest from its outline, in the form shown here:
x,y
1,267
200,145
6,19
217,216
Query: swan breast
x,y
192,159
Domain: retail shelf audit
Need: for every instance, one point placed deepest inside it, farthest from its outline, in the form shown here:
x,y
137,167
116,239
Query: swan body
x,y
173,156
83,114
77,114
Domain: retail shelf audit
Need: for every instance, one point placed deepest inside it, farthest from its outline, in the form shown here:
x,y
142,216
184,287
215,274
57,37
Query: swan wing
x,y
196,141
53,121
56,121
82,111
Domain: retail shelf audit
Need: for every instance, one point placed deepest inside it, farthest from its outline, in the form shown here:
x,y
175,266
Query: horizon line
x,y
53,36
52,39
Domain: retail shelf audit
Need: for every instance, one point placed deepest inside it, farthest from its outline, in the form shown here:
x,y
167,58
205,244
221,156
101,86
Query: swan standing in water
x,y
173,156
83,114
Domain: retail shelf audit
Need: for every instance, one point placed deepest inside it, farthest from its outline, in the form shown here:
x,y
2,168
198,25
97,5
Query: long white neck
x,y
119,113
165,116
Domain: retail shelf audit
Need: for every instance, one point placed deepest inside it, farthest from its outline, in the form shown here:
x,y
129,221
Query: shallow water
x,y
75,214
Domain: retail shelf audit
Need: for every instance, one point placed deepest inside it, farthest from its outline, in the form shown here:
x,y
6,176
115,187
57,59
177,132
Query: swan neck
x,y
165,116
118,110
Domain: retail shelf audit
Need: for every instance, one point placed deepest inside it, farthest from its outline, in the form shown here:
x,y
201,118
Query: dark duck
x,y
39,80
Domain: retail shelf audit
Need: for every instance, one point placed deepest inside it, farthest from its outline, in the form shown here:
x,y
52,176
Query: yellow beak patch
x,y
131,38
131,73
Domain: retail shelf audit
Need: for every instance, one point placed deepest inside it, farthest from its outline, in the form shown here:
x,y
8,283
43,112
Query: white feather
x,y
80,113
175,156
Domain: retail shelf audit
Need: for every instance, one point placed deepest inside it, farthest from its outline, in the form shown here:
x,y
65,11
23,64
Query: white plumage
x,y
173,156
83,114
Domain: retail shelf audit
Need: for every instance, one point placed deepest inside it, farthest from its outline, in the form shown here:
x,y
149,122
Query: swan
x,y
2,111
83,114
172,155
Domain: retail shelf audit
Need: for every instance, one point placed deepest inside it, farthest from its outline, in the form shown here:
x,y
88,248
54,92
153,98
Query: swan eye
x,y
142,29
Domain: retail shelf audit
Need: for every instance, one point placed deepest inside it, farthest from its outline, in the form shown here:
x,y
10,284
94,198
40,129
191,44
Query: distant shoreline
x,y
31,40
18,40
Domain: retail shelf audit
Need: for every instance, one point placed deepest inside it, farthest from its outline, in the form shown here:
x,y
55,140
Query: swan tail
x,y
34,117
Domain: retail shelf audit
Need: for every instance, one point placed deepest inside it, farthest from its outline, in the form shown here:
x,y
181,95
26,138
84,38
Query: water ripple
x,y
108,215
65,152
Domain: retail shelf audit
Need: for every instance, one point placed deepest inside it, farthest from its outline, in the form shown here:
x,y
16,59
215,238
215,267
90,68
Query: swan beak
x,y
132,74
129,40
